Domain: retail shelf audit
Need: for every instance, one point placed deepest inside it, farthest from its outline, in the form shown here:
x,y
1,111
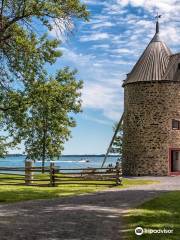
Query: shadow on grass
x,y
14,192
85,217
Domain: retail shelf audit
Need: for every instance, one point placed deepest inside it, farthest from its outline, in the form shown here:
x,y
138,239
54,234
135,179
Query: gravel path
x,y
87,217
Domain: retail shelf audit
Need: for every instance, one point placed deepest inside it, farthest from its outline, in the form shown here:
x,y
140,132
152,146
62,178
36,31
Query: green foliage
x,y
44,119
26,92
117,144
24,57
3,146
23,50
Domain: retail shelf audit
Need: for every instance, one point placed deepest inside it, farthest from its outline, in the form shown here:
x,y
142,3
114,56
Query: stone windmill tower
x,y
151,120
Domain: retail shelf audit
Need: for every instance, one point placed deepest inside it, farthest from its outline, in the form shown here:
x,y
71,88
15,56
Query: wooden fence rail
x,y
54,176
90,176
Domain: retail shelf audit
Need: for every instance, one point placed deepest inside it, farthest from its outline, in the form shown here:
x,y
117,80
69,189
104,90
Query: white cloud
x,y
102,82
115,38
103,46
102,97
95,2
121,51
163,6
102,25
138,26
173,36
97,120
94,37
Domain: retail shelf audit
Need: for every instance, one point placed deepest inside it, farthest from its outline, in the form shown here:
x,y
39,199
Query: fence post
x,y
28,172
52,175
118,174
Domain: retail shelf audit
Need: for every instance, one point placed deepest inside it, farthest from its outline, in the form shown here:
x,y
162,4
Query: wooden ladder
x,y
113,138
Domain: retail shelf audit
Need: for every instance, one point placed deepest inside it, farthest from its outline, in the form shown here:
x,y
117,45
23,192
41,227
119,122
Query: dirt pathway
x,y
87,217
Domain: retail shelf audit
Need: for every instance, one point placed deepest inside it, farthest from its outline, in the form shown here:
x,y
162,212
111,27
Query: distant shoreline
x,y
66,155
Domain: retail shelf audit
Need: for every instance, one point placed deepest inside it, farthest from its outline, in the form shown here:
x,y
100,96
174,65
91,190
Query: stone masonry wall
x,y
148,112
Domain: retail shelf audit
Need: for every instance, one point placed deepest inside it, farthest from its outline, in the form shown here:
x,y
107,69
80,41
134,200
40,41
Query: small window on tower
x,y
175,124
178,66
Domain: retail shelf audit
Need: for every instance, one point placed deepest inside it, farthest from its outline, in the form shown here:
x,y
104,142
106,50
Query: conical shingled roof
x,y
173,69
153,63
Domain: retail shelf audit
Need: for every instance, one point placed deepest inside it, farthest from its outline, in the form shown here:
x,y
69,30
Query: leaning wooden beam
x,y
111,143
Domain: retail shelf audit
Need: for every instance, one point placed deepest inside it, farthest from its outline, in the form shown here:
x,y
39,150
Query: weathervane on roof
x,y
157,22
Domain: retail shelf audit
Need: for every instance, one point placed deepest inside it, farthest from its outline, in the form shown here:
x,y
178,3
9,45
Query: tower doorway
x,y
175,161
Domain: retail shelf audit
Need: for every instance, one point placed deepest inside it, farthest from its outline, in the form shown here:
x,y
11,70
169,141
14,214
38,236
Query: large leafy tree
x,y
46,125
24,53
24,50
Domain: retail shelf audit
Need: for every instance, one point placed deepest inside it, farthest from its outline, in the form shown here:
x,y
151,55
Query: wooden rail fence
x,y
54,176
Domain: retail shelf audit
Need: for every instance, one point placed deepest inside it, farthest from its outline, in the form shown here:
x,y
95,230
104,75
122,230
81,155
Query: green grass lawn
x,y
159,213
13,193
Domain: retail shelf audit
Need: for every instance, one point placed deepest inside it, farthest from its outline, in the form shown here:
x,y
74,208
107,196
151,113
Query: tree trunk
x,y
44,150
44,142
45,128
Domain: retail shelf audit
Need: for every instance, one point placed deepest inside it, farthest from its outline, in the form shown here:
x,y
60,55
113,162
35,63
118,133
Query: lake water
x,y
63,162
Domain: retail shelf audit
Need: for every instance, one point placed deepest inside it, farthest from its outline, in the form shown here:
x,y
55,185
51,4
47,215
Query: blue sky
x,y
104,50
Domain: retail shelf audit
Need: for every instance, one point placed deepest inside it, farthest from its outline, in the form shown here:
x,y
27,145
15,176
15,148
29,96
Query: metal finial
x,y
157,22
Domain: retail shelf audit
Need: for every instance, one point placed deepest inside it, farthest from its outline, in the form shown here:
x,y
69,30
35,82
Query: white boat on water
x,y
84,160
